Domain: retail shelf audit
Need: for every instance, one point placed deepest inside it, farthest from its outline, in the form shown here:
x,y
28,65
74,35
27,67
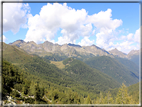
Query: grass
x,y
59,64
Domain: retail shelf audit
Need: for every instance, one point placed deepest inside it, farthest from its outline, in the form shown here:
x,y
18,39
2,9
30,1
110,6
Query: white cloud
x,y
106,28
103,20
14,16
55,16
137,36
86,42
73,24
130,36
125,46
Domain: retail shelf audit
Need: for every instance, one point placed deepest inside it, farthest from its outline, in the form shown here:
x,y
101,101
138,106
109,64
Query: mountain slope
x,y
87,75
128,64
34,64
117,53
113,68
134,56
49,72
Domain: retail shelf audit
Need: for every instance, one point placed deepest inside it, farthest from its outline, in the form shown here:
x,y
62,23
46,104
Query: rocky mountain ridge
x,y
70,50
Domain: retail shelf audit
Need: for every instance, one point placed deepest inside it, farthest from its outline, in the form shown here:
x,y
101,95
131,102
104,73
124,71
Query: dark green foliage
x,y
18,87
10,77
37,92
14,93
30,100
13,81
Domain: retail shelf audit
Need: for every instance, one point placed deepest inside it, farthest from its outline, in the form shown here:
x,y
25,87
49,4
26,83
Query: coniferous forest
x,y
31,79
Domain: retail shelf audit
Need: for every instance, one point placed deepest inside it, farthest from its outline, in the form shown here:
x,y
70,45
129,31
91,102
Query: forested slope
x,y
114,68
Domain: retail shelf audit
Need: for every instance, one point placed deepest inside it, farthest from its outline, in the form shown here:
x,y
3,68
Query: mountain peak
x,y
133,52
31,42
117,53
17,42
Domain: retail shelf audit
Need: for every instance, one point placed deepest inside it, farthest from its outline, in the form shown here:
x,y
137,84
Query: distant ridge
x,y
116,52
18,42
69,50
74,45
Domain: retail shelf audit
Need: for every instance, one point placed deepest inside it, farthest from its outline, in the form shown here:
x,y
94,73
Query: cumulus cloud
x,y
130,36
137,36
86,42
128,42
54,16
74,23
106,27
125,46
14,16
103,20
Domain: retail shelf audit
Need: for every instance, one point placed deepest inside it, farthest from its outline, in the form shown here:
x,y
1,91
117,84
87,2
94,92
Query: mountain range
x,y
70,50
83,69
114,63
75,74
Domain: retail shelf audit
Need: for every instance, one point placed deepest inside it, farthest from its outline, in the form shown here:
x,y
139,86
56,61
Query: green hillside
x,y
129,64
113,68
27,75
37,66
20,86
135,59
88,76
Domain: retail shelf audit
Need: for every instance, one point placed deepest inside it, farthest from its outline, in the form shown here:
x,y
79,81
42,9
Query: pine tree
x,y
122,96
88,100
101,100
37,93
108,99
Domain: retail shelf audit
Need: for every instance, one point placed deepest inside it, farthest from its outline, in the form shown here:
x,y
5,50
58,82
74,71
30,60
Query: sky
x,y
107,25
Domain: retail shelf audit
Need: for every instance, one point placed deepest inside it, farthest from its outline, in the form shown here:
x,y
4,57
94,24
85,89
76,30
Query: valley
x,y
68,74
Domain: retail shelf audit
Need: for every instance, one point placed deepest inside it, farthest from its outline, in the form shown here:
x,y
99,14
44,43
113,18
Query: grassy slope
x,y
113,68
59,64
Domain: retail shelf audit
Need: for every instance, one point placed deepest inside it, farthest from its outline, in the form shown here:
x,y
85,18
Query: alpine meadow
x,y
70,53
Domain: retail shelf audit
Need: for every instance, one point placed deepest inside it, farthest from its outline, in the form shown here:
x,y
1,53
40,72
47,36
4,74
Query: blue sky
x,y
107,25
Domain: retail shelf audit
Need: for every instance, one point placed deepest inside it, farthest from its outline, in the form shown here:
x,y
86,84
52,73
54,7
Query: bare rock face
x,y
18,43
69,50
132,53
118,53
96,50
